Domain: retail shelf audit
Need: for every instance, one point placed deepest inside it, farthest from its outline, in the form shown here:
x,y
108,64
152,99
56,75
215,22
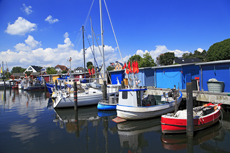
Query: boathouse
x,y
219,70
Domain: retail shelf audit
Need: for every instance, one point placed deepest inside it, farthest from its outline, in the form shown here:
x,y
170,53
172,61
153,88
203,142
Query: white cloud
x,y
66,35
30,44
51,20
20,27
160,49
200,50
27,9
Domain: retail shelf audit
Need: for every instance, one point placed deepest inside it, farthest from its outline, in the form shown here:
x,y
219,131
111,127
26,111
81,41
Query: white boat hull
x,y
136,113
81,101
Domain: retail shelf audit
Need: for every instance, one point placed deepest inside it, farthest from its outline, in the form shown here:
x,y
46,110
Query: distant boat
x,y
134,104
34,85
203,117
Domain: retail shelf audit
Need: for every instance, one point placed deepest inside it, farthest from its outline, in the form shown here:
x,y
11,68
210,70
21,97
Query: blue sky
x,y
47,33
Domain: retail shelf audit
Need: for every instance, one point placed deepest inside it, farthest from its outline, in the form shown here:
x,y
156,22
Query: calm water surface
x,y
29,124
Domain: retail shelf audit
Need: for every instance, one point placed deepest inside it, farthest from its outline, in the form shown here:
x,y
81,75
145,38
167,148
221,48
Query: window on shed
x,y
124,95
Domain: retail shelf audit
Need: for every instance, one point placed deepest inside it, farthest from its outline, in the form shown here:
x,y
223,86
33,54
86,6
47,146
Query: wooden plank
x,y
118,120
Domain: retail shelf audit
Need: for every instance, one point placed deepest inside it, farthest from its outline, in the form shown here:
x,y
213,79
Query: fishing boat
x,y
203,117
134,104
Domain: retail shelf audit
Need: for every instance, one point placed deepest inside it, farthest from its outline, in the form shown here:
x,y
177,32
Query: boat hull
x,y
104,106
145,112
176,125
85,100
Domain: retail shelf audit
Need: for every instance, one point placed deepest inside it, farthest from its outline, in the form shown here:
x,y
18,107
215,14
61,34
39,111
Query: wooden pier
x,y
203,96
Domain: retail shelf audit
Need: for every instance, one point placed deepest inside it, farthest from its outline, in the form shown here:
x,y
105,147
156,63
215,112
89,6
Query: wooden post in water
x,y
175,98
75,95
56,85
4,88
104,90
189,104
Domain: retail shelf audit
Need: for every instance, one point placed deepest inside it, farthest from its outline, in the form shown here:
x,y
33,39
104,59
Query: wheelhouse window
x,y
124,95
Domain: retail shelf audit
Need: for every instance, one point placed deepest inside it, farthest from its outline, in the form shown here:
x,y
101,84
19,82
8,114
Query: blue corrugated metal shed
x,y
179,75
219,70
117,74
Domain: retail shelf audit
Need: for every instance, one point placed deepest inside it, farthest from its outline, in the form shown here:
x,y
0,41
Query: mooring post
x,y
175,98
104,90
189,104
56,85
4,88
75,95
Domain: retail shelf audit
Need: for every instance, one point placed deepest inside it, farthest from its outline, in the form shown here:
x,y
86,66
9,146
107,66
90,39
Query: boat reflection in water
x,y
73,120
179,141
131,133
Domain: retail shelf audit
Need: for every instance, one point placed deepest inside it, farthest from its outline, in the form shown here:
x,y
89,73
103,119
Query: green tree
x,y
64,71
135,57
219,51
17,70
89,63
51,70
166,58
90,67
110,68
147,61
197,54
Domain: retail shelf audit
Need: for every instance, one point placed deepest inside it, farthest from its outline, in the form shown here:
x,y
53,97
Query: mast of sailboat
x,y
102,40
83,48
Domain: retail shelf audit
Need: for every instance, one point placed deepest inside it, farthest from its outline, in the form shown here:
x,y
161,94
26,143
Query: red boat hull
x,y
176,125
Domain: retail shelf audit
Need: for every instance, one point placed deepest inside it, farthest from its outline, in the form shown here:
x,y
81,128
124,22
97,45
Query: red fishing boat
x,y
203,117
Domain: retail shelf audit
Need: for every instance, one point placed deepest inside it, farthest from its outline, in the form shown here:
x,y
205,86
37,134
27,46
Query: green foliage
x,y
147,61
90,67
17,70
219,51
135,57
51,70
28,73
166,58
110,68
197,54
64,71
89,63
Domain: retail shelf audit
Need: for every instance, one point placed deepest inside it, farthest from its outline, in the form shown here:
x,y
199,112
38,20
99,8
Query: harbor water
x,y
28,123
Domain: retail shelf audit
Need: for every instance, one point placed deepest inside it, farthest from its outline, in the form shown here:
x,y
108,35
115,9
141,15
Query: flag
x,y
134,67
92,71
130,70
137,68
124,66
70,59
89,71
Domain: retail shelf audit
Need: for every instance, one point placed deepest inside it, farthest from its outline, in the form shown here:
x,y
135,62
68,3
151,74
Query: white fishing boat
x,y
134,104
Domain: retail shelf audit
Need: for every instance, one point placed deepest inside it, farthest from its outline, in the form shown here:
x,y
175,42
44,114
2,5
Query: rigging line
x,y
84,24
94,56
113,30
92,51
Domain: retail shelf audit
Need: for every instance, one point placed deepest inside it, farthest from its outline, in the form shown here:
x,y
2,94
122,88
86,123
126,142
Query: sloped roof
x,y
36,68
80,69
180,60
62,67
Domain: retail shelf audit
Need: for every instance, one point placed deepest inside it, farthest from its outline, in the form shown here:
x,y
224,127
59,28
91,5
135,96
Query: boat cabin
x,y
131,97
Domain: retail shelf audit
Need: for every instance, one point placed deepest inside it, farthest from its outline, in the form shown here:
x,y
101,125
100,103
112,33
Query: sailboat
x,y
90,96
